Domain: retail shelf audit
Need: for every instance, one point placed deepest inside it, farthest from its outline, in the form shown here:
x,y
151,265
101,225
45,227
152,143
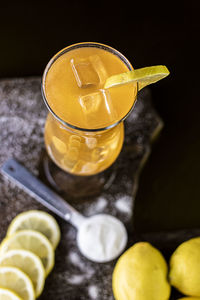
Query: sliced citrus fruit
x,y
29,263
6,294
39,221
143,77
17,281
33,241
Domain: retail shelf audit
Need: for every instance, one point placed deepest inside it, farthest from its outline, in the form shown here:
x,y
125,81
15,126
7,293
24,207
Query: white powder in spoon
x,y
101,238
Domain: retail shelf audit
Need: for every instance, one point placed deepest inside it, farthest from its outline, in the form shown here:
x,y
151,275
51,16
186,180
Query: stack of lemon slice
x,y
27,255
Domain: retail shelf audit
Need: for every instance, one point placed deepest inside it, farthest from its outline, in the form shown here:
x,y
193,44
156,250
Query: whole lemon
x,y
141,274
185,267
189,298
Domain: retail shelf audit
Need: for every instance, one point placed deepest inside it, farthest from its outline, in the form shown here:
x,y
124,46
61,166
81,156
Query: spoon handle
x,y
43,194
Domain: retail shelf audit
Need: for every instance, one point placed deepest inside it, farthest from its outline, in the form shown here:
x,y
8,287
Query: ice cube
x,y
68,162
99,154
73,150
84,168
73,147
89,71
78,166
59,145
74,141
84,72
73,153
97,102
91,102
99,68
91,142
89,168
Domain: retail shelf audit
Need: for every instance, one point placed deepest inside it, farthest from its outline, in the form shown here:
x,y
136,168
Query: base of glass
x,y
73,185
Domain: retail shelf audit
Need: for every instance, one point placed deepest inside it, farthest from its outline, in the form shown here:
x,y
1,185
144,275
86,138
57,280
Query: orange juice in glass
x,y
84,130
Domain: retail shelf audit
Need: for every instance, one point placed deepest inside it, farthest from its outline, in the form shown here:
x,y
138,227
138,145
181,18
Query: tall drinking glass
x,y
84,129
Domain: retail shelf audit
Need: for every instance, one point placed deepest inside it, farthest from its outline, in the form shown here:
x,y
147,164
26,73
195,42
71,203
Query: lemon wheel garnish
x,y
29,263
143,77
39,221
32,241
17,281
6,294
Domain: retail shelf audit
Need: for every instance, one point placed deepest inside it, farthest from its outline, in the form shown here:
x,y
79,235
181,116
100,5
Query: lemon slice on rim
x,y
17,281
143,77
6,294
39,221
29,263
33,241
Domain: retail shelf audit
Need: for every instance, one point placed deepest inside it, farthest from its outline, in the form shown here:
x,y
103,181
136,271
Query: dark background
x,y
147,34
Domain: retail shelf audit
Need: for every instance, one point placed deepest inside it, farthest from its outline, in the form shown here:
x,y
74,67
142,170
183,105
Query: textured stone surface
x,y
22,118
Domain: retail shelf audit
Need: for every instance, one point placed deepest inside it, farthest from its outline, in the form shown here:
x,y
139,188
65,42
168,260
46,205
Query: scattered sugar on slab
x,y
76,260
76,279
97,207
124,204
93,292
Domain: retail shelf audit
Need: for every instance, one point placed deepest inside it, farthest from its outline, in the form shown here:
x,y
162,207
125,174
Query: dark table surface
x,y
147,34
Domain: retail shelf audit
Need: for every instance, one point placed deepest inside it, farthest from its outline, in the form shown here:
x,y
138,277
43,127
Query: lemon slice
x,y
17,281
143,77
39,221
33,241
29,263
6,294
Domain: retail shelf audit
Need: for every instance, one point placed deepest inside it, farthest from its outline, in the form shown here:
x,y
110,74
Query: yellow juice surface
x,y
74,88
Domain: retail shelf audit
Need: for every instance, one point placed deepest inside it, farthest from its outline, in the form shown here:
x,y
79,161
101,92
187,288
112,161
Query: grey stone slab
x,y
22,119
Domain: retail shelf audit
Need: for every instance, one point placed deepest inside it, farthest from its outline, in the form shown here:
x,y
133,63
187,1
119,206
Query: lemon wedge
x,y
39,221
6,294
33,241
29,263
18,282
143,76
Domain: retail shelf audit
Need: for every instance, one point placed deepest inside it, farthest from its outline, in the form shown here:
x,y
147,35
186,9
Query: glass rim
x,y
72,47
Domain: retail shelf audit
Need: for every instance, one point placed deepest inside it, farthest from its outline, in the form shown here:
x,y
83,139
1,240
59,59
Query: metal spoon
x,y
43,194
